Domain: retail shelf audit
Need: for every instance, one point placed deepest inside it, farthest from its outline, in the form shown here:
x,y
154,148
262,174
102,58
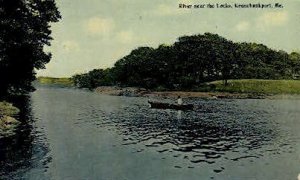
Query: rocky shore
x,y
142,92
207,95
120,91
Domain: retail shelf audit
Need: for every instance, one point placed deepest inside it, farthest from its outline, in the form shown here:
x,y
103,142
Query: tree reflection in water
x,y
24,150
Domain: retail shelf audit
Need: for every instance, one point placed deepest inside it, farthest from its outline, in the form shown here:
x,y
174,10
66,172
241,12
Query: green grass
x,y
259,86
55,81
7,109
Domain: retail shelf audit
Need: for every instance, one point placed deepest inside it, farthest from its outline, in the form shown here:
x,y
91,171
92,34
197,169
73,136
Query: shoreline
x,y
236,89
141,92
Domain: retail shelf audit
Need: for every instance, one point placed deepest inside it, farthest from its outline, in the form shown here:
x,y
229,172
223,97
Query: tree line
x,y
24,31
191,62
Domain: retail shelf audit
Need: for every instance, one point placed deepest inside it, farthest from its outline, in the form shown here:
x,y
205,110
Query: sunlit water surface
x,y
75,134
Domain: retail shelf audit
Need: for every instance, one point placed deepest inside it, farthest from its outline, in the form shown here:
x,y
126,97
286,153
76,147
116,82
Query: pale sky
x,y
96,33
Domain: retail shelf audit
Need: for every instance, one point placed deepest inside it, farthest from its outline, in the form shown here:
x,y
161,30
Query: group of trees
x,y
192,61
189,62
24,31
94,78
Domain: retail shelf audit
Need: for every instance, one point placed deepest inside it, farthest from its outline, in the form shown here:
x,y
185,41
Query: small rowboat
x,y
160,105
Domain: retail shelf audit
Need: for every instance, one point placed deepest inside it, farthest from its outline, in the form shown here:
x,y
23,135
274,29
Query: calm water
x,y
74,134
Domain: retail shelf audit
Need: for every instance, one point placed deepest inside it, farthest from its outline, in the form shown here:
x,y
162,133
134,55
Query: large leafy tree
x,y
204,58
24,31
137,68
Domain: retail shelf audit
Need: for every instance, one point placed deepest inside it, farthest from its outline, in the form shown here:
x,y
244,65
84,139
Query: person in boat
x,y
179,100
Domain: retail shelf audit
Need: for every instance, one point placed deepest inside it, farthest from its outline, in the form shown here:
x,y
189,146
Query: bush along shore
x,y
8,123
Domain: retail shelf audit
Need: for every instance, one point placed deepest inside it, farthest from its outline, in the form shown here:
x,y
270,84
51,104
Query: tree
x,y
295,60
24,31
163,68
137,68
205,58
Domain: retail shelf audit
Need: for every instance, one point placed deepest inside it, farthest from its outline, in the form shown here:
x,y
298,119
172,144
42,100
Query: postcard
x,y
149,90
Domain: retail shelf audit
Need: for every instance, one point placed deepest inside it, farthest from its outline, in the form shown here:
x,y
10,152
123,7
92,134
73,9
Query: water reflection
x,y
24,150
179,114
216,130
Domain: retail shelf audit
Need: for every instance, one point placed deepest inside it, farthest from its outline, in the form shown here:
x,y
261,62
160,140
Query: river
x,y
76,134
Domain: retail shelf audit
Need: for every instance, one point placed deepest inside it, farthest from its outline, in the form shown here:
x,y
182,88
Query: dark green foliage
x,y
96,77
192,61
205,58
259,62
137,69
294,58
24,30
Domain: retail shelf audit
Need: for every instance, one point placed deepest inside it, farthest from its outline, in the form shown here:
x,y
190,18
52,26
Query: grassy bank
x,y
7,121
55,81
259,86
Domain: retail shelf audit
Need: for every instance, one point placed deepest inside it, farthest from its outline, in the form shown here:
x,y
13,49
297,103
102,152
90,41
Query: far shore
x,y
236,89
141,92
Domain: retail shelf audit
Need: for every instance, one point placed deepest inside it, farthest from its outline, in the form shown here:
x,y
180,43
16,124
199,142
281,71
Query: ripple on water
x,y
206,135
216,133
